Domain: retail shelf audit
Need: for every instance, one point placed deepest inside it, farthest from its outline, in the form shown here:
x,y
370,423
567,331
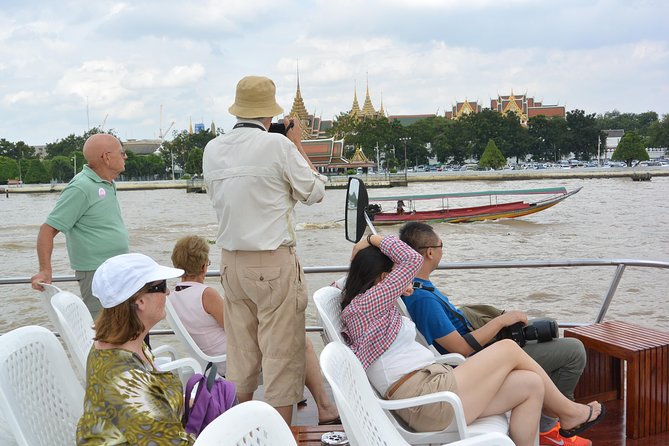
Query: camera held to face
x,y
280,127
541,330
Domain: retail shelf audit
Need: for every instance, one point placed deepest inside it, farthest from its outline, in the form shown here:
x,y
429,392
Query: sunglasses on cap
x,y
160,287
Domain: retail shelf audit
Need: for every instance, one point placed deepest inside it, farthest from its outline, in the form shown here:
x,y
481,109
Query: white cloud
x,y
127,58
184,75
98,81
24,97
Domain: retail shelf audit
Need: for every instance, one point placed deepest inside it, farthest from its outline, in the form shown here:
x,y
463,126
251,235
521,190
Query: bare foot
x,y
327,413
585,415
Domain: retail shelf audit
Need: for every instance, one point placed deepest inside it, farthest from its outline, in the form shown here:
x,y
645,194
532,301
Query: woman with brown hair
x,y
499,378
128,400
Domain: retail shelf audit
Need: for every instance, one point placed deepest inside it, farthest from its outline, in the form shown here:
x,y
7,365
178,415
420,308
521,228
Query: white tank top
x,y
203,328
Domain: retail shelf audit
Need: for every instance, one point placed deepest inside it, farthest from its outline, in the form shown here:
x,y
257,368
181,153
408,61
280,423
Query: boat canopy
x,y
547,190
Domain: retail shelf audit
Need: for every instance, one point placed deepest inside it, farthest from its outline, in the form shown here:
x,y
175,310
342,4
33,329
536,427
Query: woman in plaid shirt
x,y
499,378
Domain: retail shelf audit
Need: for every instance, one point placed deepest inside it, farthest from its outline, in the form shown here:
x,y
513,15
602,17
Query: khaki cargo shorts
x,y
265,300
429,417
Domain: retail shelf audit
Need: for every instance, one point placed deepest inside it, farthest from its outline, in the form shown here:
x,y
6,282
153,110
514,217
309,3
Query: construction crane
x,y
101,127
161,134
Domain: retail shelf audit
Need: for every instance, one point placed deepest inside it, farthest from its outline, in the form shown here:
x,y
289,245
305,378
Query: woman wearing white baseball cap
x,y
128,400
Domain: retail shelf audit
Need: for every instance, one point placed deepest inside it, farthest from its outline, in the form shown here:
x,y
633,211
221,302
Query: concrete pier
x,y
379,180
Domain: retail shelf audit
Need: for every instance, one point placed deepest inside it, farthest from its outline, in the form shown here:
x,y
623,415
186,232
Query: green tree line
x,y
64,158
451,141
456,141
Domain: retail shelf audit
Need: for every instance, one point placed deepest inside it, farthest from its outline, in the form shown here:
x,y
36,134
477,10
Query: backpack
x,y
213,397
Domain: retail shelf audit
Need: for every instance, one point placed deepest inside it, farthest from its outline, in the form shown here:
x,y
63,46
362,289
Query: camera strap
x,y
468,337
250,125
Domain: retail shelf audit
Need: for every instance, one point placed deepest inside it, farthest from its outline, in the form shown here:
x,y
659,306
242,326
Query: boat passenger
x,y
449,330
501,377
254,180
128,401
88,213
400,207
201,309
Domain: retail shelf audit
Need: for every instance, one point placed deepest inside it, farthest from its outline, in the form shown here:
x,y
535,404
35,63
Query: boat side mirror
x,y
356,203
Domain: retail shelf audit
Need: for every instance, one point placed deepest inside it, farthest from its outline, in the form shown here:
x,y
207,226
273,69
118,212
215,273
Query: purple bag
x,y
213,397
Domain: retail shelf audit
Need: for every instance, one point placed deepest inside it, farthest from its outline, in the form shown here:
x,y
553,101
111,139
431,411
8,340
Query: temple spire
x,y
299,108
382,112
355,108
367,107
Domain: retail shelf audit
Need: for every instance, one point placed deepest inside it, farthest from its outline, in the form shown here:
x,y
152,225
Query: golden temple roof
x,y
359,157
300,110
355,108
367,108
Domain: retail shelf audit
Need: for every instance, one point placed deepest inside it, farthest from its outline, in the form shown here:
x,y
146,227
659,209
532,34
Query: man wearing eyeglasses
x,y
449,330
88,213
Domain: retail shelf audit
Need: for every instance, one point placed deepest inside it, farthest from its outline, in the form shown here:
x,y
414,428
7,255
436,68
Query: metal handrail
x,y
620,264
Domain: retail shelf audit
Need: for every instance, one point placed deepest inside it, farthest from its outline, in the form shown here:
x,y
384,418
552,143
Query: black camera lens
x,y
541,330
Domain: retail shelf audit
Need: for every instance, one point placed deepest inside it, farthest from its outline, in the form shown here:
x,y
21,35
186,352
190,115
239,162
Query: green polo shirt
x,y
89,215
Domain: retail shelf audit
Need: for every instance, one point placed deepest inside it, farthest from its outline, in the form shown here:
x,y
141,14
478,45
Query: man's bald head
x,y
104,154
96,145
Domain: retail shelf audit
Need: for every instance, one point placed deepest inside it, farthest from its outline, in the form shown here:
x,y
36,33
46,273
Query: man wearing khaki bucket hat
x,y
254,179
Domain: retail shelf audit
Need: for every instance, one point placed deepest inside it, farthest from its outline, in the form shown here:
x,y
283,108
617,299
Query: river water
x,y
609,218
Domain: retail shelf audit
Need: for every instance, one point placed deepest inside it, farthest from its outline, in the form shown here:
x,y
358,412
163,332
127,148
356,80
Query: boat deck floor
x,y
609,432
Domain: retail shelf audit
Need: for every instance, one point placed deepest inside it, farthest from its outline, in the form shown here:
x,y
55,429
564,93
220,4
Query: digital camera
x,y
280,127
541,330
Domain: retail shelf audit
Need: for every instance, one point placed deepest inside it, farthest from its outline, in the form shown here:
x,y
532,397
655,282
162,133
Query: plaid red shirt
x,y
371,321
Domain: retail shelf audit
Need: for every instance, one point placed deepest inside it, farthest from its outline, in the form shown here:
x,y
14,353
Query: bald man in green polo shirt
x,y
88,213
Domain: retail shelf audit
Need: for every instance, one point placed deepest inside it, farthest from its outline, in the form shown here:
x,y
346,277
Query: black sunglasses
x,y
440,245
160,287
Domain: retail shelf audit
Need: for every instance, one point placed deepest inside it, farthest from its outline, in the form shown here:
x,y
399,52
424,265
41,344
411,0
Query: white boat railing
x,y
619,264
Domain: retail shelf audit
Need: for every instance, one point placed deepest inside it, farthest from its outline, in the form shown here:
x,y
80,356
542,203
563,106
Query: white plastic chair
x,y
185,337
328,304
75,324
363,413
251,423
40,395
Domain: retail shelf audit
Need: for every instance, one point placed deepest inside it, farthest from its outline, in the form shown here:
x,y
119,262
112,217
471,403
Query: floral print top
x,y
130,403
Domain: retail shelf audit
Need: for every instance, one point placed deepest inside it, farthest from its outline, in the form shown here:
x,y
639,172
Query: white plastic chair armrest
x,y
183,363
445,396
450,359
165,350
438,397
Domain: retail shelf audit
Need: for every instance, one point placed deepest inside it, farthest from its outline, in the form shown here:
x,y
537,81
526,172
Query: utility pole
x,y
377,157
599,157
405,139
75,164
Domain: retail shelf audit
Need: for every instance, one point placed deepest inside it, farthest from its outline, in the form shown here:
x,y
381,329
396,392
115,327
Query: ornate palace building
x,y
325,153
463,108
525,107
368,110
328,154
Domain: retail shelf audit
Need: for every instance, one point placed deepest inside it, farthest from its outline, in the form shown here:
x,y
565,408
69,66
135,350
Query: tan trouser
x,y
265,300
429,417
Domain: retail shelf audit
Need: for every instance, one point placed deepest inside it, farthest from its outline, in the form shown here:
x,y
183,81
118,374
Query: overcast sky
x,y
69,65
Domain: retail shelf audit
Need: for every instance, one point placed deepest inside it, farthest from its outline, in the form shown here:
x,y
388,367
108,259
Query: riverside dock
x,y
381,180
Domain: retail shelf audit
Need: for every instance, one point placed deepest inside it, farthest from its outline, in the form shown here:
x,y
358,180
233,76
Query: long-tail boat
x,y
405,208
